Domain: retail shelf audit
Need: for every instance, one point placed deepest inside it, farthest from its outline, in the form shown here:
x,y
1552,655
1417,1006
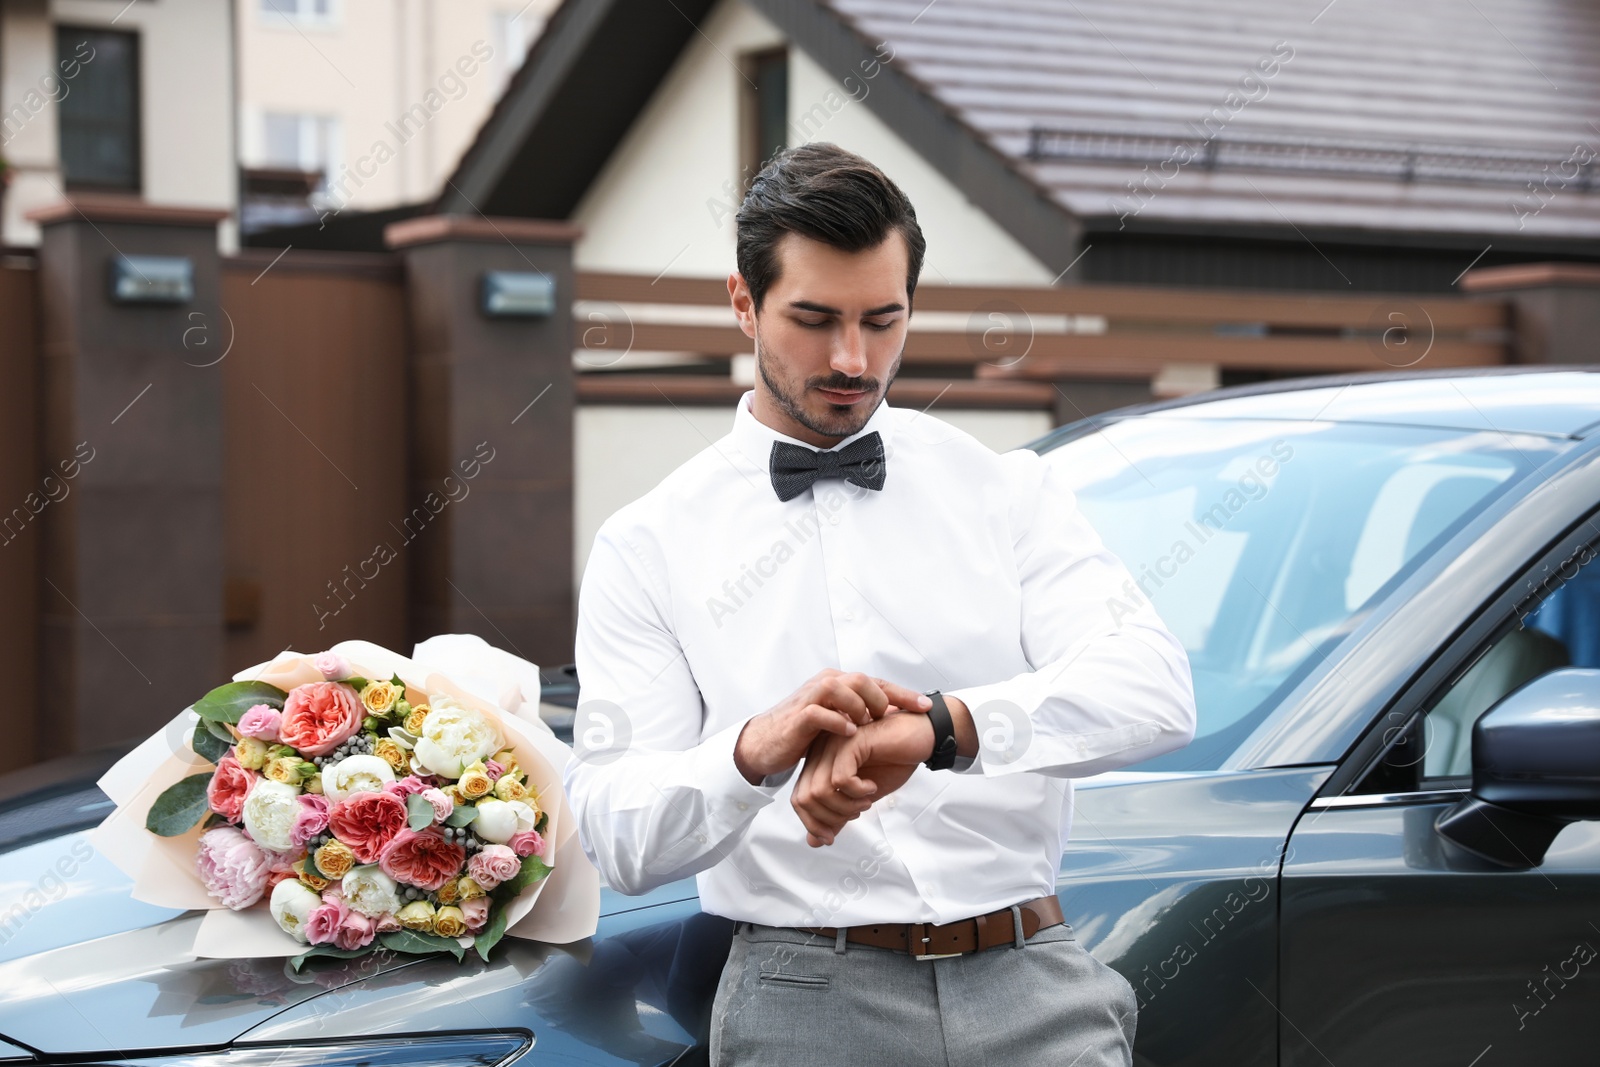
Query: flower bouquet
x,y
333,804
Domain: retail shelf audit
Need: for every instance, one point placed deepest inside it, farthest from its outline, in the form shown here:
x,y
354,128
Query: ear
x,y
743,304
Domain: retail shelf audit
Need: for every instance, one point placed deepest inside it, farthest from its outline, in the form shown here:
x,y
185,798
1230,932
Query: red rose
x,y
425,860
367,821
229,786
320,716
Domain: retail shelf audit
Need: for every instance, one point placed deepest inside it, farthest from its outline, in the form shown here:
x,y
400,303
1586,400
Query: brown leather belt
x,y
933,940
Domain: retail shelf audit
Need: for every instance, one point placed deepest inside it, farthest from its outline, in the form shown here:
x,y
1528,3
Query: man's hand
x,y
845,775
831,702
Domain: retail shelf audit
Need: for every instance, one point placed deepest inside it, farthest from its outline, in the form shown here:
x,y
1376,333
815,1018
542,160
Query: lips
x,y
841,397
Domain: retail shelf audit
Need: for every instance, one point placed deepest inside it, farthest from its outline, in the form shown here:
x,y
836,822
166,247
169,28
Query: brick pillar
x,y
490,530
1555,308
131,429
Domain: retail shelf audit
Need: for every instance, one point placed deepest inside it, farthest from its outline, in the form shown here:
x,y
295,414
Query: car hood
x,y
86,968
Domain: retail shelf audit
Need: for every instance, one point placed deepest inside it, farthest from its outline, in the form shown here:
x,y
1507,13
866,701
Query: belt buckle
x,y
917,932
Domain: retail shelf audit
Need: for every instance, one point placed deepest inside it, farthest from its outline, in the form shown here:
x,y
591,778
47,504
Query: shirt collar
x,y
754,438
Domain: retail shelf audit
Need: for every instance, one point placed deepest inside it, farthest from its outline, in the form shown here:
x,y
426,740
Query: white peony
x,y
370,891
269,814
452,737
499,820
290,904
355,774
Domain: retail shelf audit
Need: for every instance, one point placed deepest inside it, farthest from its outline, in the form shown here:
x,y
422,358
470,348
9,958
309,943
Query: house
x,y
364,105
1353,148
133,98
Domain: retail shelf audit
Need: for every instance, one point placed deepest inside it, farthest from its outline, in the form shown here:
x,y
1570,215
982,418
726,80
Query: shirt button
x,y
892,801
849,614
833,520
700,838
743,806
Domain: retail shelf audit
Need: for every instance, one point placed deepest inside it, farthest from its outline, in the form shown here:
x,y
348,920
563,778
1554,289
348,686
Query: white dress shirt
x,y
707,601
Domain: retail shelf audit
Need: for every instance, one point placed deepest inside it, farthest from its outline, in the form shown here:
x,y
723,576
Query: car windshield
x,y
1262,543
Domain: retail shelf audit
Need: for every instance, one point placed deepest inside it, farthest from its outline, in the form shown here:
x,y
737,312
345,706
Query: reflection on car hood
x,y
85,968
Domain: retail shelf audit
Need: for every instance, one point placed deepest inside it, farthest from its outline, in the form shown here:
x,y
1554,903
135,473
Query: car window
x,y
1560,629
1263,543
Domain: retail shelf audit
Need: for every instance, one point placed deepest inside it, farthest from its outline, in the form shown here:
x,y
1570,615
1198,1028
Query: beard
x,y
790,396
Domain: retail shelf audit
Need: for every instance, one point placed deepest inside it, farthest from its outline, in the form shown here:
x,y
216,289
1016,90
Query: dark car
x,y
1375,851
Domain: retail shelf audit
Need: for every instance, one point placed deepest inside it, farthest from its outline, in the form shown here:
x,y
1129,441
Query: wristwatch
x,y
944,734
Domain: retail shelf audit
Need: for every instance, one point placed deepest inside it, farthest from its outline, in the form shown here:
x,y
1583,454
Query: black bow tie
x,y
795,467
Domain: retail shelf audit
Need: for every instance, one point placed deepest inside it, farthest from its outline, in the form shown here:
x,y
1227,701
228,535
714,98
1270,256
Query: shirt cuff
x,y
717,775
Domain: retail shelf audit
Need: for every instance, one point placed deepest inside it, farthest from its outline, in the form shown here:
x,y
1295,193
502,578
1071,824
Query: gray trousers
x,y
792,998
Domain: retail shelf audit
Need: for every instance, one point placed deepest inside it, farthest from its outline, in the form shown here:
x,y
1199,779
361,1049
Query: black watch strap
x,y
944,734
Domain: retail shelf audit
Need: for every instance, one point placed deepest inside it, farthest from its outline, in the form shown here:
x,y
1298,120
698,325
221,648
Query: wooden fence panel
x,y
21,495
317,424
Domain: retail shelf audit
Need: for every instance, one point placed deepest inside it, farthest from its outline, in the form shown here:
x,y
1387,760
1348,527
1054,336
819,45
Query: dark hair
x,y
821,191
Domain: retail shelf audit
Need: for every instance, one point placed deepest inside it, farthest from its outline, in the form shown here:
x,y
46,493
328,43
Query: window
x,y
1560,630
765,108
304,11
301,142
512,33
99,117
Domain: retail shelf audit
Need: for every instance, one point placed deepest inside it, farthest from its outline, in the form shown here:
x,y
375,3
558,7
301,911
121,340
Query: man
x,y
940,618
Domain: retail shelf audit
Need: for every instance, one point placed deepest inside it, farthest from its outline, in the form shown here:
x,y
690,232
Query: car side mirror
x,y
1535,768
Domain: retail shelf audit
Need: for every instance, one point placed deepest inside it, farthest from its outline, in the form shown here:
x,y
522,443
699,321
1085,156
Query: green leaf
x,y
491,933
180,806
419,813
207,745
216,818
413,943
227,703
398,683
463,815
328,950
533,868
355,680
543,821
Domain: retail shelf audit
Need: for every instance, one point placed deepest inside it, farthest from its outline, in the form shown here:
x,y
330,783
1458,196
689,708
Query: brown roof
x,y
1474,99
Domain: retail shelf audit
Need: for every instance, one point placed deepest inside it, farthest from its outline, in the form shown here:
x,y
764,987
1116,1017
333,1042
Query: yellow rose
x,y
508,788
468,889
414,719
506,758
313,784
475,782
335,859
251,752
290,770
379,697
453,791
392,754
417,915
449,893
310,881
449,922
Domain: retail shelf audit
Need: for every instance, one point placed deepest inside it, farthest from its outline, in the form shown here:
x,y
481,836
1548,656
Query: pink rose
x,y
312,820
387,923
367,821
475,912
279,869
527,843
332,665
233,868
492,865
493,769
404,787
425,860
229,787
442,804
261,721
322,925
320,716
356,930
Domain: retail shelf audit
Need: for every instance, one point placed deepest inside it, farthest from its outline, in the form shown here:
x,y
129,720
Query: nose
x,y
849,357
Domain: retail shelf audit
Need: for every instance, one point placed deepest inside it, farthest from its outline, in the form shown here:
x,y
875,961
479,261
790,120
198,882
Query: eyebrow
x,y
823,309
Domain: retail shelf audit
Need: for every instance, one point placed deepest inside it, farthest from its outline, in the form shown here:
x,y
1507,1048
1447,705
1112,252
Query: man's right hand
x,y
832,701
